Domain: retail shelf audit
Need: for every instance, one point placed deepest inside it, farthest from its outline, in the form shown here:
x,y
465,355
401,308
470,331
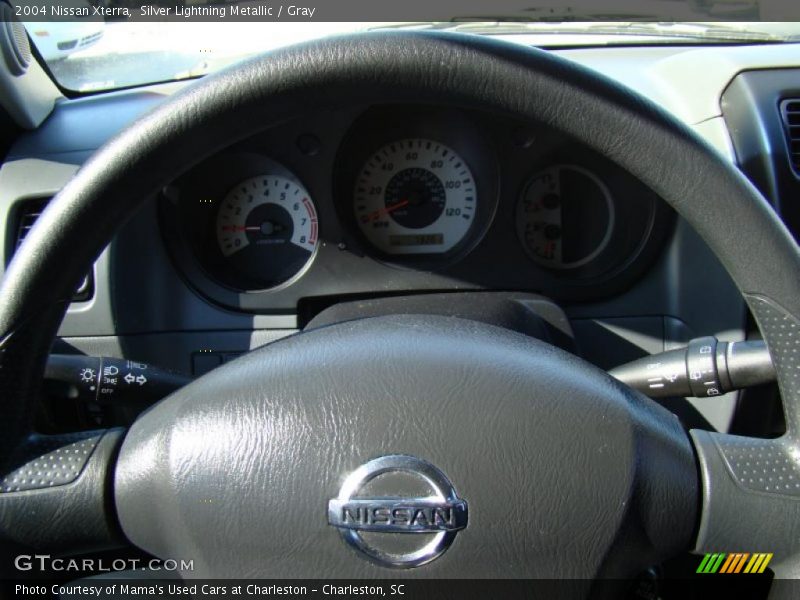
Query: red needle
x,y
384,211
240,228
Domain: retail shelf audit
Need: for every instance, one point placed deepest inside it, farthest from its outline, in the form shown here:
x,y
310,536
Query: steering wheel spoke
x,y
751,486
56,493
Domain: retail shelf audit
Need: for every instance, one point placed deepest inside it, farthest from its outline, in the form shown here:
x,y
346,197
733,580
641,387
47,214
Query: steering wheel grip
x,y
748,503
751,487
68,479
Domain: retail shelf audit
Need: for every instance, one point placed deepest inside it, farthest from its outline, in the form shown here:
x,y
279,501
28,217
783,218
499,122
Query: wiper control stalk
x,y
703,369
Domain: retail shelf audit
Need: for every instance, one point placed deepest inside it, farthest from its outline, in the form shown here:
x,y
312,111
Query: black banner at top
x,y
405,11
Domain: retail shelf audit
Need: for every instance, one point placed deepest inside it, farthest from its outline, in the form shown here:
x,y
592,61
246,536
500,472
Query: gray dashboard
x,y
147,305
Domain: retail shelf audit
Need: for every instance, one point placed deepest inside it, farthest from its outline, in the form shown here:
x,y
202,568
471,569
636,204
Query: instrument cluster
x,y
403,198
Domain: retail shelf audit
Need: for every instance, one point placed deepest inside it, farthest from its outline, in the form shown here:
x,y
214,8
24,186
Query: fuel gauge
x,y
565,217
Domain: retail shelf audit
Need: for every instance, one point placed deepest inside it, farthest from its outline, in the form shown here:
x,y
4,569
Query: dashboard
x,y
371,202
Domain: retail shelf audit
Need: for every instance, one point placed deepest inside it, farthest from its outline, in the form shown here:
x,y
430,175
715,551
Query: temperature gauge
x,y
565,217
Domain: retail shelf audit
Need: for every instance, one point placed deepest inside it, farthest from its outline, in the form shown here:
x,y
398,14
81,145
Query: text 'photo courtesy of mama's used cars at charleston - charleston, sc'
x,y
368,299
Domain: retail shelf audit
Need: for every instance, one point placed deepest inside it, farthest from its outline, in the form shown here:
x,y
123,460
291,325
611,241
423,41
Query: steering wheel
x,y
565,472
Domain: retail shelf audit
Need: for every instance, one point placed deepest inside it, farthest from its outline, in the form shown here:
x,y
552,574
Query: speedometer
x,y
415,196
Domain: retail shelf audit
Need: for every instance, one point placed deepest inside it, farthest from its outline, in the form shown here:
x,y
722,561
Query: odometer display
x,y
415,196
427,239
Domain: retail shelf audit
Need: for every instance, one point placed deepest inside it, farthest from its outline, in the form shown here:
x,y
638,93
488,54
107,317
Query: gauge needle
x,y
240,228
377,214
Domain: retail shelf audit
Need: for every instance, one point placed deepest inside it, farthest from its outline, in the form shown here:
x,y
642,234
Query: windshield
x,y
91,53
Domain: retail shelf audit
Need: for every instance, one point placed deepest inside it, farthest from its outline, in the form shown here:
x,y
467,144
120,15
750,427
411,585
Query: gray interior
x,y
150,302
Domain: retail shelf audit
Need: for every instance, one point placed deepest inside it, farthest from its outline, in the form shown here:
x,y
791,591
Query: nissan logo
x,y
440,513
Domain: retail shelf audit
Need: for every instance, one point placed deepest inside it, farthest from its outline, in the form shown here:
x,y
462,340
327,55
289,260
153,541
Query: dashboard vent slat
x,y
790,117
792,105
26,216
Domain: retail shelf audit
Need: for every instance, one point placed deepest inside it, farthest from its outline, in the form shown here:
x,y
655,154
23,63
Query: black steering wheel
x,y
565,472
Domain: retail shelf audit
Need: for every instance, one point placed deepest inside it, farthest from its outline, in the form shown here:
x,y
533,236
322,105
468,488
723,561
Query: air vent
x,y
790,112
27,213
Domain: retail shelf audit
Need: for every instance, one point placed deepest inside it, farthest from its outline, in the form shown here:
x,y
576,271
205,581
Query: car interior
x,y
553,275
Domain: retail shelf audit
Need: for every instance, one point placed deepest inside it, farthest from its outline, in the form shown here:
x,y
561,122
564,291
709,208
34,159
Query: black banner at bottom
x,y
112,587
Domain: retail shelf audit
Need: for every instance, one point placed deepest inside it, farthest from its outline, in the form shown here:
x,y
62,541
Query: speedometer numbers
x,y
415,196
267,229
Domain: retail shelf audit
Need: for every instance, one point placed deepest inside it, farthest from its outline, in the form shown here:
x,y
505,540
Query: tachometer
x,y
415,196
266,228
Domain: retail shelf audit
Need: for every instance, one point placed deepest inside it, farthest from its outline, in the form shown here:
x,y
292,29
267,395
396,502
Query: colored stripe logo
x,y
735,562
